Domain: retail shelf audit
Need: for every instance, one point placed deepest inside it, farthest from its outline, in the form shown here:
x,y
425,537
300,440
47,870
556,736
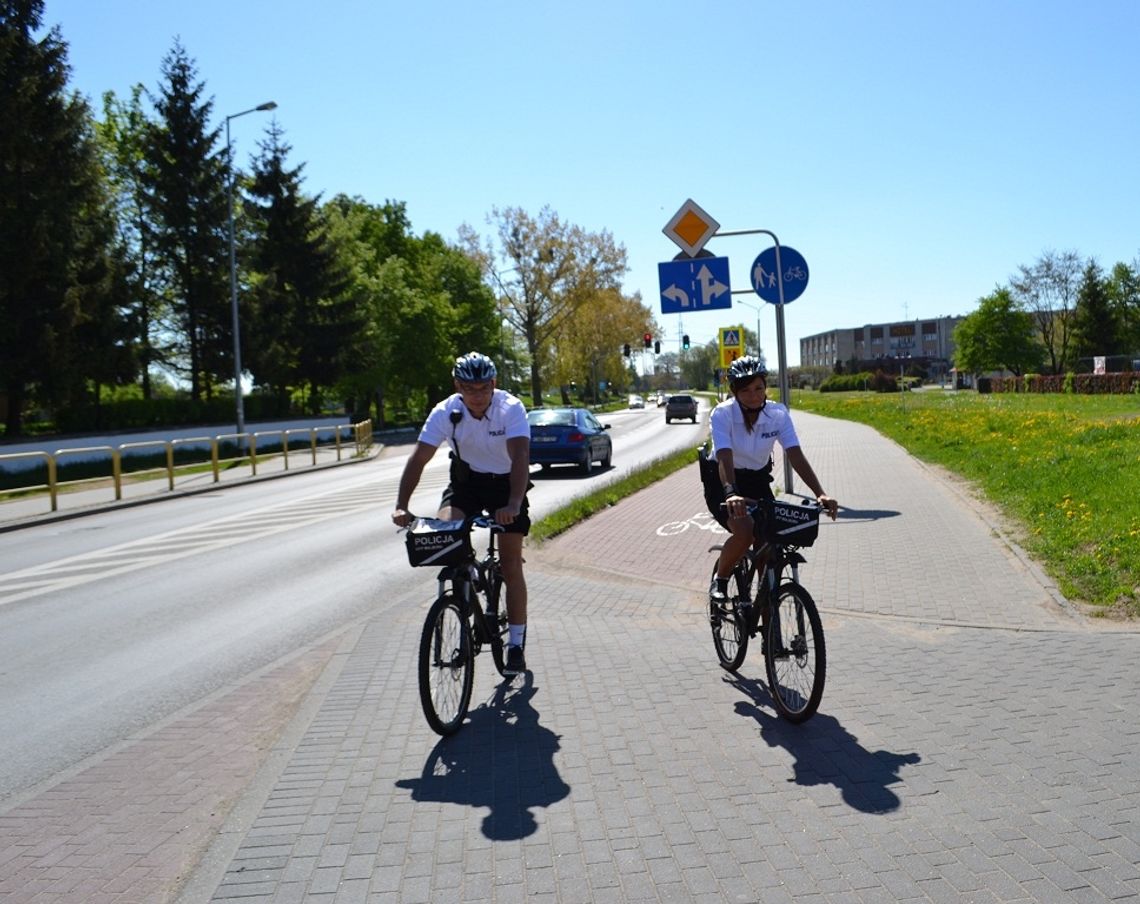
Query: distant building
x,y
927,344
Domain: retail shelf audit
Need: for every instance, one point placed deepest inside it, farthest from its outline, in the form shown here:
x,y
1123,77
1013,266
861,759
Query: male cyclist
x,y
745,429
490,471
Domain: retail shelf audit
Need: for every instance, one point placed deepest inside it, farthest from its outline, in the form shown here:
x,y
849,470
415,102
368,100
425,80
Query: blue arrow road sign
x,y
700,284
766,282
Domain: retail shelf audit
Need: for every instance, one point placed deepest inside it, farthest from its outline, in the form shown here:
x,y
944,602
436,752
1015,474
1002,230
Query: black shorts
x,y
752,485
481,493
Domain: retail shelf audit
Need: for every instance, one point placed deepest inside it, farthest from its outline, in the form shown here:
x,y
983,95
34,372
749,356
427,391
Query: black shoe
x,y
516,661
718,592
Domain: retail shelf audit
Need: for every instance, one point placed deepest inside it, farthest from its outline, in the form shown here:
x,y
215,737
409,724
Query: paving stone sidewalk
x,y
977,741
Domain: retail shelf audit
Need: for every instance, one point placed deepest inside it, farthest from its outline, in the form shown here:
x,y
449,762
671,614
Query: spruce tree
x,y
1096,327
185,181
55,271
303,315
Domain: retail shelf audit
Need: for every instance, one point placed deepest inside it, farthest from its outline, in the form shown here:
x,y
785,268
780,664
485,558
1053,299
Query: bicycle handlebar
x,y
753,504
471,520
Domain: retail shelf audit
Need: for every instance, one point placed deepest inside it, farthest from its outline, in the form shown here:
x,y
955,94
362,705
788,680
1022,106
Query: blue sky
x,y
914,153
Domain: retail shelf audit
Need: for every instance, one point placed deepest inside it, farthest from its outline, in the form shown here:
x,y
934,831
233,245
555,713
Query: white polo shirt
x,y
482,441
751,450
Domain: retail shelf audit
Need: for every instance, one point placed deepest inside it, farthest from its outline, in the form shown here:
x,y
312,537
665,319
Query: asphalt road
x,y
111,622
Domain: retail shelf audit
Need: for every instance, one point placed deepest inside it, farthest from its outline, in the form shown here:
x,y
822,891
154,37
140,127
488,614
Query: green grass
x,y
1065,469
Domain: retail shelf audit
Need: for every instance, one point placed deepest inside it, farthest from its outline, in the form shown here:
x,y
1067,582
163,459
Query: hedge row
x,y
1085,384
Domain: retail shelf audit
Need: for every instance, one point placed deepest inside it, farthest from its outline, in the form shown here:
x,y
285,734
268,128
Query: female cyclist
x,y
745,429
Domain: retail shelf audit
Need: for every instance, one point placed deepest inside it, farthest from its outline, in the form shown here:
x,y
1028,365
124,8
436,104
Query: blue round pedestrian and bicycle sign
x,y
766,276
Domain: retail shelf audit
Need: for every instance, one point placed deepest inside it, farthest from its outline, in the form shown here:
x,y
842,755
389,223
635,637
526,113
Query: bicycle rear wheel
x,y
496,616
447,665
730,633
794,653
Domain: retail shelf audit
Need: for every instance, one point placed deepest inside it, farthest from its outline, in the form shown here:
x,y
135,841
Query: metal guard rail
x,y
361,439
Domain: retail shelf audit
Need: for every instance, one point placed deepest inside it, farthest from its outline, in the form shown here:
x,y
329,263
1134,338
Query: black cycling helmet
x,y
474,368
744,369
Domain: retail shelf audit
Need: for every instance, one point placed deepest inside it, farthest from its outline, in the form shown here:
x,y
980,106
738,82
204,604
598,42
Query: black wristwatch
x,y
729,490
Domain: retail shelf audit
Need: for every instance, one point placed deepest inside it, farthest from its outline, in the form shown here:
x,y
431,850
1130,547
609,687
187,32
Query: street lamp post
x,y
238,403
758,310
501,308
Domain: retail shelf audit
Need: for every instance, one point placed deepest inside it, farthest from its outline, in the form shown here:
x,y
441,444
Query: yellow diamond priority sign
x,y
691,227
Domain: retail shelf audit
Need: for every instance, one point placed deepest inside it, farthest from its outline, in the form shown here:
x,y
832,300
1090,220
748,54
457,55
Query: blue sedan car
x,y
570,436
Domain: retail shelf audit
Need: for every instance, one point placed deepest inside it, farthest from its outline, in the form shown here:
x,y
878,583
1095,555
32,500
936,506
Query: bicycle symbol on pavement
x,y
701,521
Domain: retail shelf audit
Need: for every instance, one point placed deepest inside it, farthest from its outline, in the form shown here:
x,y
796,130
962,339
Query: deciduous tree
x,y
589,348
997,336
1048,291
546,272
426,303
123,133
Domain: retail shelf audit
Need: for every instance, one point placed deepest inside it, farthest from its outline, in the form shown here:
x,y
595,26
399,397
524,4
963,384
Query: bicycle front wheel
x,y
730,633
794,653
447,665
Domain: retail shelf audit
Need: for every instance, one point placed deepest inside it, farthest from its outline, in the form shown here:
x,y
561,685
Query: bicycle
x,y
464,618
782,612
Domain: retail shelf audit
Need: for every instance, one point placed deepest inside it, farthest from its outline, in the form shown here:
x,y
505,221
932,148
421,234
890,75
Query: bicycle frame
x,y
470,583
776,558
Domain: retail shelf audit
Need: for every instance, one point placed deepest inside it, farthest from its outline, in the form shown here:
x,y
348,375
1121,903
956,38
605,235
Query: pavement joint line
x,y
1078,628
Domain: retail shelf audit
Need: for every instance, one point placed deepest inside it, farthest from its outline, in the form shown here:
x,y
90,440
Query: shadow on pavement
x,y
850,514
502,759
826,753
568,472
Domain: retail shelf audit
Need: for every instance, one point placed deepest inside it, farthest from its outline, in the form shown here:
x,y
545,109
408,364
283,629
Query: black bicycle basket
x,y
433,542
792,524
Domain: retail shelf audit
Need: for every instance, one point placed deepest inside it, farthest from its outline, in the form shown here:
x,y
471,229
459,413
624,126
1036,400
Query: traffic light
x,y
657,347
648,337
685,341
625,349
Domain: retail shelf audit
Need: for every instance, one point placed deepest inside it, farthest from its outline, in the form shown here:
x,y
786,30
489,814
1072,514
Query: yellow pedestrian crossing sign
x,y
731,344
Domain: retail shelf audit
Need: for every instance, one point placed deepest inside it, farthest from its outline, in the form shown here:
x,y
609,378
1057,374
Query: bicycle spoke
x,y
446,667
795,657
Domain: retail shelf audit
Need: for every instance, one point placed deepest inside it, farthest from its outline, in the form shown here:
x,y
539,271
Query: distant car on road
x,y
568,436
681,406
636,401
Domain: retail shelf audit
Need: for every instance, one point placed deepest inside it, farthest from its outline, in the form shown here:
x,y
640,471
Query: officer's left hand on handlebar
x,y
830,504
507,514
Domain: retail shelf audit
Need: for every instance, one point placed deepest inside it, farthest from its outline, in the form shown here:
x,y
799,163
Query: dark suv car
x,y
681,406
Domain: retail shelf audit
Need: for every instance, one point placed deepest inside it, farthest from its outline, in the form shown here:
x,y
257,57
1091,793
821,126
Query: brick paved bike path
x,y
977,740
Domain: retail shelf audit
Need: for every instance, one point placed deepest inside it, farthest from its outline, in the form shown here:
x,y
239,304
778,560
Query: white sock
x,y
516,635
